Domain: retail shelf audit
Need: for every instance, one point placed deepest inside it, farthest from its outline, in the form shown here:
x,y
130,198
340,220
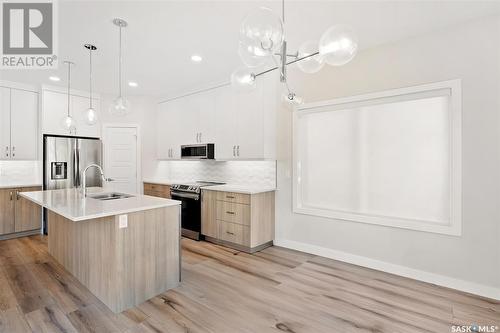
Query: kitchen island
x,y
124,250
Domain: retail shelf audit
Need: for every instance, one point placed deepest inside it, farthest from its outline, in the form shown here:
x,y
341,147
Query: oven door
x,y
190,213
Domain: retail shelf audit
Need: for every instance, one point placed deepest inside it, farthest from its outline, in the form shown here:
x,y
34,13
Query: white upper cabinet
x,y
241,124
246,122
18,124
169,130
55,107
4,123
23,124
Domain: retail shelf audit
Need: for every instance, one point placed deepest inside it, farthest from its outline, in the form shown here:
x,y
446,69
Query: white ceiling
x,y
162,35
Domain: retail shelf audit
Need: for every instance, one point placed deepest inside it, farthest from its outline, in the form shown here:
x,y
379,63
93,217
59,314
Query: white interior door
x,y
121,158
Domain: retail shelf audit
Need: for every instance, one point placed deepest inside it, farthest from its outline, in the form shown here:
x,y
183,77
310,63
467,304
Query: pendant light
x,y
90,113
120,106
68,122
262,36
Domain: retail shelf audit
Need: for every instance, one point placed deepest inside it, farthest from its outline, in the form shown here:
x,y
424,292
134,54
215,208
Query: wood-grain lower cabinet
x,y
157,190
6,211
17,214
28,214
241,221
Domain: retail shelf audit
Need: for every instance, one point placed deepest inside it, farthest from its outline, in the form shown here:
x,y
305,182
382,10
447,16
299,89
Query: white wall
x,y
471,262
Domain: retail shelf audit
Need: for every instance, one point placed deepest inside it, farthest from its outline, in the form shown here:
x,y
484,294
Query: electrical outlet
x,y
123,221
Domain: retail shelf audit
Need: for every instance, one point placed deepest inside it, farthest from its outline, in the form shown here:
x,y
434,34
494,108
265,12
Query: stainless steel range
x,y
190,196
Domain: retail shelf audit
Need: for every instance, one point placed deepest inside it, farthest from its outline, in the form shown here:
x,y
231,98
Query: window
x,y
391,158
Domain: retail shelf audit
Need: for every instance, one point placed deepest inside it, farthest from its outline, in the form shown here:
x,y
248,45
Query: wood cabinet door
x,y
4,123
208,213
24,124
7,197
28,214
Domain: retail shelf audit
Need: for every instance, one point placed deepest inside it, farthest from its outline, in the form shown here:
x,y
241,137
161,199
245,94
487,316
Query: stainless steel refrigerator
x,y
64,159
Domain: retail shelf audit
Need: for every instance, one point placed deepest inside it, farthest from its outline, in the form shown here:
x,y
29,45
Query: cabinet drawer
x,y
234,233
234,197
165,195
233,212
157,190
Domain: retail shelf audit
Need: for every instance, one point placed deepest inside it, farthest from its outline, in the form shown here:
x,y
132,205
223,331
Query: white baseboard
x,y
441,280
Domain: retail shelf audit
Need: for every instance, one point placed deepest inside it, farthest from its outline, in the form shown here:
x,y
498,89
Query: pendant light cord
x,y
69,84
90,83
120,64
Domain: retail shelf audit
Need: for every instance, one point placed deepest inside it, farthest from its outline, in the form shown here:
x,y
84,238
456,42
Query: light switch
x,y
123,221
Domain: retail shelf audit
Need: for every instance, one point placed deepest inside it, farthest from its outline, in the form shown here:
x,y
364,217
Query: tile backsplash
x,y
244,173
30,170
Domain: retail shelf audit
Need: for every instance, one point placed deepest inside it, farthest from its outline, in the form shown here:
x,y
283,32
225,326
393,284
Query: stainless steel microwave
x,y
204,151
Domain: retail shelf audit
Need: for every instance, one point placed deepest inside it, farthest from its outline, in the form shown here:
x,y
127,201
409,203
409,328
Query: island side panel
x,y
148,250
122,267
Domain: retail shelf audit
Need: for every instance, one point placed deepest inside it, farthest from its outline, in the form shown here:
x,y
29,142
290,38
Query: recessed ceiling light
x,y
196,58
132,84
54,78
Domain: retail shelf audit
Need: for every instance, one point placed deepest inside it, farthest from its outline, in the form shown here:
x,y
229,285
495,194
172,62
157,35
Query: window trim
x,y
455,91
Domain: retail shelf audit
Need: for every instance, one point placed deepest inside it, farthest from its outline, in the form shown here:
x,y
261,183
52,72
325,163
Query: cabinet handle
x,y
229,197
231,233
234,151
232,213
10,195
200,137
7,151
17,195
238,150
13,148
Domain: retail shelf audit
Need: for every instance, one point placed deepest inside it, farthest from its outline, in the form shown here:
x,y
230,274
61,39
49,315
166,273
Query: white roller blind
x,y
384,159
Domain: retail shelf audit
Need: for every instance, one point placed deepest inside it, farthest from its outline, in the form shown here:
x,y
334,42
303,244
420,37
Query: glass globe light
x,y
120,107
262,31
91,116
243,79
68,123
247,55
312,64
338,45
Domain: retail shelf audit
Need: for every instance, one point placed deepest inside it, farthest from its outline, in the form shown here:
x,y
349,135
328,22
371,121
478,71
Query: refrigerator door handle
x,y
76,168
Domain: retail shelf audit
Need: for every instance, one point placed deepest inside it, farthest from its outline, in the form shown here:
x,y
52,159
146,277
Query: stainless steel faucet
x,y
84,178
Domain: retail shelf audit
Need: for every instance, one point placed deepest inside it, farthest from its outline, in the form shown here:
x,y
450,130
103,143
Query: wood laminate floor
x,y
276,290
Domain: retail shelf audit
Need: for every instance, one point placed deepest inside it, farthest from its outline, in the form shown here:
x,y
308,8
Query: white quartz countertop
x,y
239,189
71,204
7,182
